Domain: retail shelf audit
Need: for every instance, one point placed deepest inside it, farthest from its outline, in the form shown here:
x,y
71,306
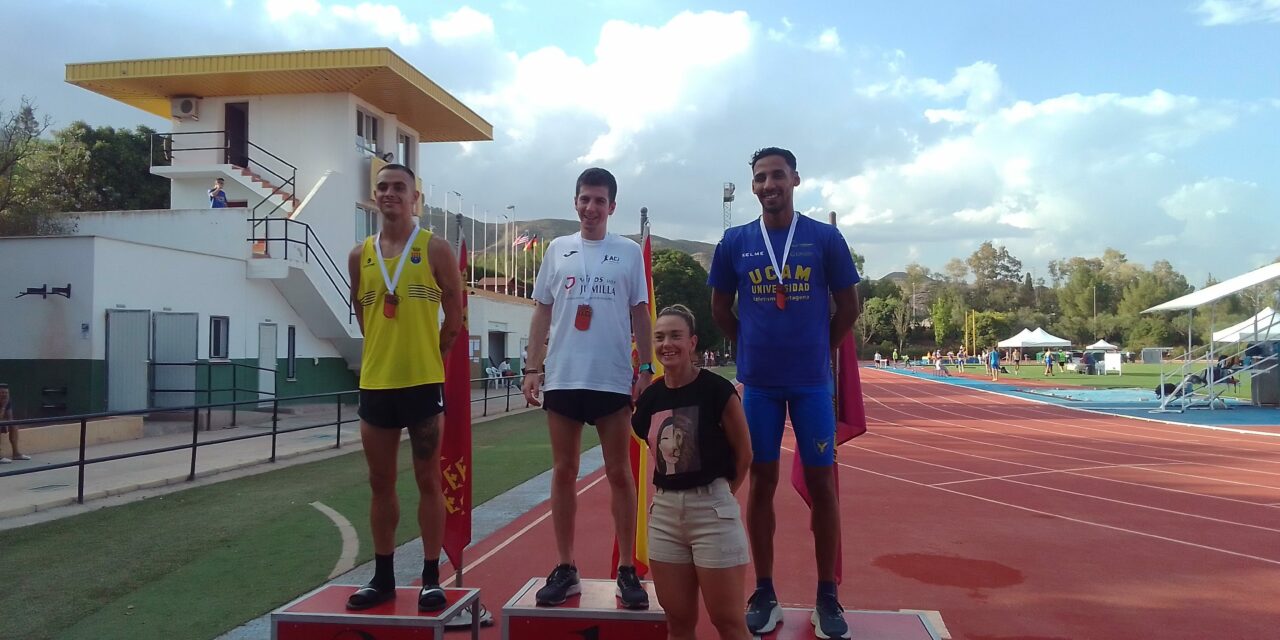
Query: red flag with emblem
x,y
851,421
455,450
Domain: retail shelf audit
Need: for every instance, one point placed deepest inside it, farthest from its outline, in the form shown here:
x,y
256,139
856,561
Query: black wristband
x,y
529,371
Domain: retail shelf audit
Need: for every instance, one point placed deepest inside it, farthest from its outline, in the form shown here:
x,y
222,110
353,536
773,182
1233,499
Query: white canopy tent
x,y
1269,332
1016,342
1220,290
1042,338
1102,345
1258,323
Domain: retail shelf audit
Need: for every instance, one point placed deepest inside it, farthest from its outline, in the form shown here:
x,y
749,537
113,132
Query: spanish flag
x,y
639,449
455,449
851,420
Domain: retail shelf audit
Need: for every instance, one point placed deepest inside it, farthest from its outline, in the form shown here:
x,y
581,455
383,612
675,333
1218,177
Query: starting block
x,y
323,614
593,615
865,625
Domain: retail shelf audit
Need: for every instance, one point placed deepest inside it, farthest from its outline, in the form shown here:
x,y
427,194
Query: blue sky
x,y
1054,128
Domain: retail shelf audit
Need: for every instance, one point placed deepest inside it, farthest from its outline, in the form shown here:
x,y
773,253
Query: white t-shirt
x,y
600,357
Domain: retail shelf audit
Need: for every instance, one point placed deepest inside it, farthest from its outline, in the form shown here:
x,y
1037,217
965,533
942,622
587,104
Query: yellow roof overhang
x,y
378,76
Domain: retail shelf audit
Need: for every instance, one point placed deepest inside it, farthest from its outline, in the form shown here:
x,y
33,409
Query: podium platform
x,y
863,625
323,614
593,615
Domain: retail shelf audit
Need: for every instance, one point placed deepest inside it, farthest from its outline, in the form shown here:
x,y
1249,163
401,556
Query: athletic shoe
x,y
431,598
370,596
562,583
763,612
630,591
828,619
5,461
22,456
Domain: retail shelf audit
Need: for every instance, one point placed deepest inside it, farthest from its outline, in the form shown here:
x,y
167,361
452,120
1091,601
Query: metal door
x,y
128,336
266,360
175,348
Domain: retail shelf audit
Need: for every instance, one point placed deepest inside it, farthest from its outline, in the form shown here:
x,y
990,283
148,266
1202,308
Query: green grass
x,y
197,563
1142,376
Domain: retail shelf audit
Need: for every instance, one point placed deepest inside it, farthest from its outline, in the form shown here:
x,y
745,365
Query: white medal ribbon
x,y
582,253
786,248
377,247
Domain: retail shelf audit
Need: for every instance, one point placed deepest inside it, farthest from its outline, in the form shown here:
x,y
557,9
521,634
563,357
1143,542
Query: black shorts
x,y
398,408
584,405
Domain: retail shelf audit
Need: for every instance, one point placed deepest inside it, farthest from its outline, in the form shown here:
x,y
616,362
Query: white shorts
x,y
700,526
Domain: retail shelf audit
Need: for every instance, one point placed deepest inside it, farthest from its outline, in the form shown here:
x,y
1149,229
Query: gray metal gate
x,y
128,336
267,360
175,339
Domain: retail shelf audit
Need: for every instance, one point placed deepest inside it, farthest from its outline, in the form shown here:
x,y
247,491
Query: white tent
x,y
1102,345
1015,342
1258,323
1042,338
1220,290
1268,332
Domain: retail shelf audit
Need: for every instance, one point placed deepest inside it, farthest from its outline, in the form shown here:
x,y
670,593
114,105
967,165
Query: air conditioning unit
x,y
185,108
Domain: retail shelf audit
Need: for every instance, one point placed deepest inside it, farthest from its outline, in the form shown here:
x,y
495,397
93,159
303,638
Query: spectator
x,y
217,197
6,413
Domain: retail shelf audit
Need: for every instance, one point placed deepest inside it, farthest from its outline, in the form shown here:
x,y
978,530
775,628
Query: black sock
x,y
431,571
384,573
827,589
765,584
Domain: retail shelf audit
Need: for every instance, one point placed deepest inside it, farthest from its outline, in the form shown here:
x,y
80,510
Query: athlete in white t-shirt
x,y
591,296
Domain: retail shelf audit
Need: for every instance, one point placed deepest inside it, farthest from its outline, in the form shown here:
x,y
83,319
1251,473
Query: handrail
x,y
288,186
343,289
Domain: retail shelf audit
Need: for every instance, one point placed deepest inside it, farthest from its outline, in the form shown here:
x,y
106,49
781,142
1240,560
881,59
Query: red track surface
x,y
1015,520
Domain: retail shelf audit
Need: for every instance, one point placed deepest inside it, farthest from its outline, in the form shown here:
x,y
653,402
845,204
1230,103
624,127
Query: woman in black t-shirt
x,y
693,421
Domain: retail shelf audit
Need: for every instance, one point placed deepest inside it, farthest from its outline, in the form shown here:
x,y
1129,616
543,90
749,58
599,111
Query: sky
x,y
1056,129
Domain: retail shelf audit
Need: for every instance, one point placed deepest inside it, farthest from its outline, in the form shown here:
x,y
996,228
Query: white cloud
x,y
828,41
640,74
383,19
780,35
1231,12
308,20
464,24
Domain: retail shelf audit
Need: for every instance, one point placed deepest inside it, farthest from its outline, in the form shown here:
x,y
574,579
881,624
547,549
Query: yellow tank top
x,y
403,351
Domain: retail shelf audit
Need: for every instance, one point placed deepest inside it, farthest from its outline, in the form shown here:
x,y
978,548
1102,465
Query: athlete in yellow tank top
x,y
400,281
401,338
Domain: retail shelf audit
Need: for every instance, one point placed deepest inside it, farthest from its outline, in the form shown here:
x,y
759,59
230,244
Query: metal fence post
x,y
337,432
235,394
195,438
84,430
275,423
485,411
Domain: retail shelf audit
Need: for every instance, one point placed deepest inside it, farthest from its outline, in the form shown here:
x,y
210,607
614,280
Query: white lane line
x,y
1067,518
502,545
350,540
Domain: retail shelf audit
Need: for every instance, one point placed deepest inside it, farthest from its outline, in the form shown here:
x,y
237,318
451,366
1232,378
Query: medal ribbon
x,y
786,248
377,247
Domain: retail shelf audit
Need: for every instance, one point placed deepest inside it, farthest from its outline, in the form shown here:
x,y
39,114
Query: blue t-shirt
x,y
217,199
791,346
994,358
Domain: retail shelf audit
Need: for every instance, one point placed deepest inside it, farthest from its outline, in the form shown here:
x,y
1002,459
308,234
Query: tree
x,y
118,159
917,285
940,313
901,320
679,279
876,320
955,271
20,132
1027,292
996,275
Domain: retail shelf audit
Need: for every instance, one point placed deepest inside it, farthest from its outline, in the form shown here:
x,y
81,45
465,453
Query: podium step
x,y
863,625
593,615
323,614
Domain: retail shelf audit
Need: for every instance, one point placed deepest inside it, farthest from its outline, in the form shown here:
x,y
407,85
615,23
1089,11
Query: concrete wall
x,y
492,312
52,328
215,232
205,284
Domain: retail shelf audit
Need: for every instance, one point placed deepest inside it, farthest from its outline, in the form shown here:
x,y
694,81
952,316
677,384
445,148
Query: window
x,y
404,149
367,223
219,337
367,131
291,365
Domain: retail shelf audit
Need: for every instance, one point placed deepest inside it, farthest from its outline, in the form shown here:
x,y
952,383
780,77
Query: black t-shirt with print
x,y
683,430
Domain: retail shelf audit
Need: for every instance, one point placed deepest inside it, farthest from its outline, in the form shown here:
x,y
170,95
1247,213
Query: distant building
x,y
253,296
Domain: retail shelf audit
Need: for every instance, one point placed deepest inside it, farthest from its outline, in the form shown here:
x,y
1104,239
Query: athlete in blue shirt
x,y
781,268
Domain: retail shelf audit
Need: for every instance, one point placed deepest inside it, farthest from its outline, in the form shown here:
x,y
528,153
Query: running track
x,y
1015,520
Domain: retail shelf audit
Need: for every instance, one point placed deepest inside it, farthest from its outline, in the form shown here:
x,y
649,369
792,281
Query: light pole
x,y
446,214
510,247
471,241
